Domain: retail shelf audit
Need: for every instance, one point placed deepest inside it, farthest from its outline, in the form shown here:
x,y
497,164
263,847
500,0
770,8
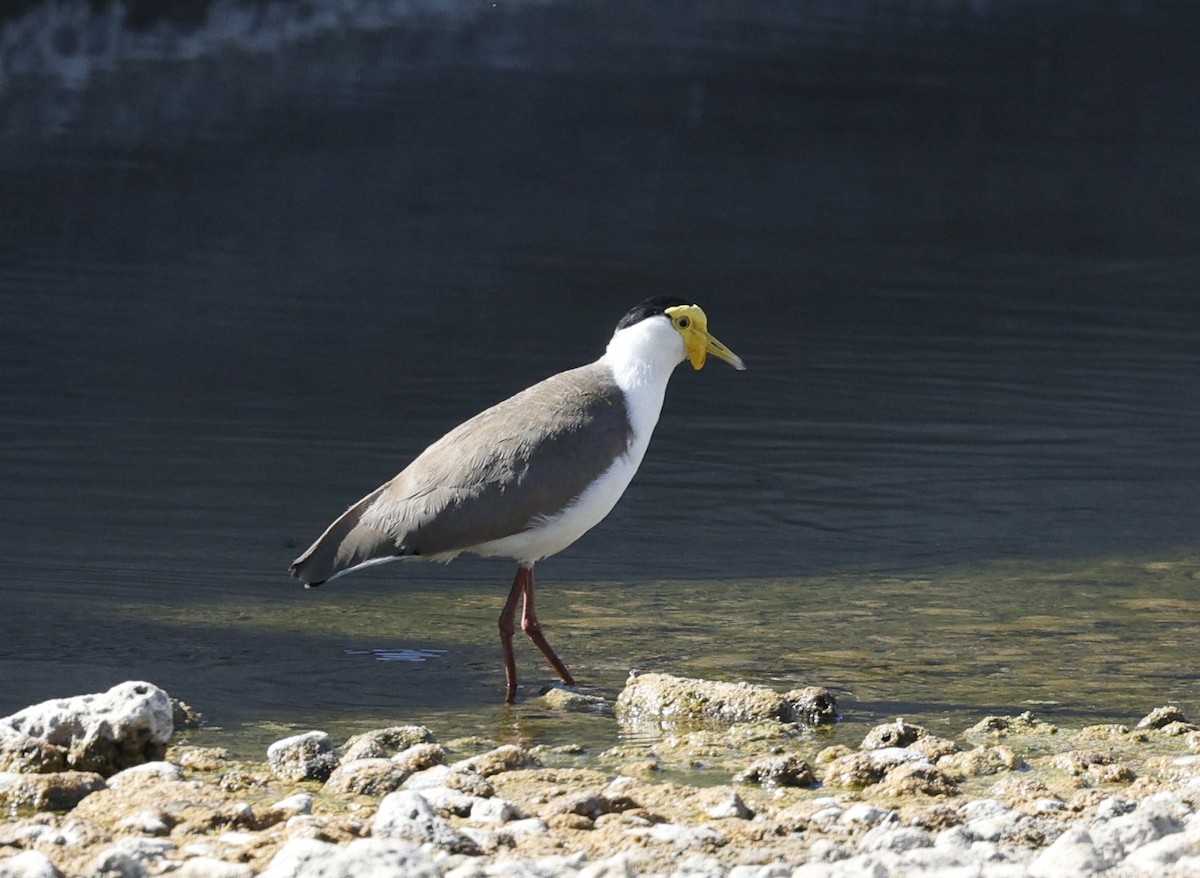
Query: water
x,y
249,270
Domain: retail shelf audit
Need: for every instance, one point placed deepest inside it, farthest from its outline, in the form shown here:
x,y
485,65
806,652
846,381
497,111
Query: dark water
x,y
254,259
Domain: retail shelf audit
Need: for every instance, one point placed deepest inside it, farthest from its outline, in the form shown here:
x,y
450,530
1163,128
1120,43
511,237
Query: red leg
x,y
508,628
531,626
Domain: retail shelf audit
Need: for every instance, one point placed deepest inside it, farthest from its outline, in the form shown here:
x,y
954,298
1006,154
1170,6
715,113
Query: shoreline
x,y
1011,795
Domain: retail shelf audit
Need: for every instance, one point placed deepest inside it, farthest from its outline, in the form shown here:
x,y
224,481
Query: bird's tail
x,y
346,545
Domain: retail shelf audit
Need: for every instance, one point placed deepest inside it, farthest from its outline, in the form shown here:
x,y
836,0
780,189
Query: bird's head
x,y
690,322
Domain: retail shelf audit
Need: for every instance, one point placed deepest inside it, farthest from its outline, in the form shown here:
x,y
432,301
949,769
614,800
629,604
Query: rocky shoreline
x,y
94,786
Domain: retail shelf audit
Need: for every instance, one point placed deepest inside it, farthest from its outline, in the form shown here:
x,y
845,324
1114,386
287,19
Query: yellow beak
x,y
692,323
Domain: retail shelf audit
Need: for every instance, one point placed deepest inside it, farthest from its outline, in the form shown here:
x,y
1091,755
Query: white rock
x,y
301,803
522,828
406,815
448,801
146,772
377,858
681,836
1072,854
1154,856
114,863
981,808
771,870
894,839
827,851
29,864
129,724
308,756
866,815
1114,807
148,822
699,866
494,810
1151,821
206,867
618,866
727,805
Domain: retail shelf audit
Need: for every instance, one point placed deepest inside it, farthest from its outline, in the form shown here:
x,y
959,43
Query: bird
x,y
529,476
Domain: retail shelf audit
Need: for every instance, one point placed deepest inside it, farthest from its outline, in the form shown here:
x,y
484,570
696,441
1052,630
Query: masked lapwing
x,y
528,476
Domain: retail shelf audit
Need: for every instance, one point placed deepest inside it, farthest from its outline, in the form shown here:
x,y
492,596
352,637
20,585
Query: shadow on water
x,y
251,269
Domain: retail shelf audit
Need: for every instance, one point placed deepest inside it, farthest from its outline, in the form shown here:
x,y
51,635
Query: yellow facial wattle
x,y
691,322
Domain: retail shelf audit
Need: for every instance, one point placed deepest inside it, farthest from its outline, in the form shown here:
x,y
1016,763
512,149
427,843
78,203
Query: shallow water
x,y
960,476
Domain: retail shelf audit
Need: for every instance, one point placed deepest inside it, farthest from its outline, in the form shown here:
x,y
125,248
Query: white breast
x,y
642,358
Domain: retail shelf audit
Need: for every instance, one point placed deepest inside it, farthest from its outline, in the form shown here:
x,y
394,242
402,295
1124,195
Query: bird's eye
x,y
683,323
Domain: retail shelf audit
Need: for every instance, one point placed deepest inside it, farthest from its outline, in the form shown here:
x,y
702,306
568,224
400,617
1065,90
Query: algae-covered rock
x,y
778,771
576,702
1095,765
367,777
664,699
893,734
385,743
507,757
981,761
1025,725
104,733
1162,716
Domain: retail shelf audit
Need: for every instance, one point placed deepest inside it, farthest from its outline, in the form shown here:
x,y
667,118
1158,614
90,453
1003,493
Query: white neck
x,y
642,358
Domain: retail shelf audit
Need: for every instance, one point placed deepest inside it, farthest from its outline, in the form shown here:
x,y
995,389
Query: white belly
x,y
554,533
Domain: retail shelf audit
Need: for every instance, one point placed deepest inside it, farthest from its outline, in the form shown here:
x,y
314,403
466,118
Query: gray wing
x,y
491,477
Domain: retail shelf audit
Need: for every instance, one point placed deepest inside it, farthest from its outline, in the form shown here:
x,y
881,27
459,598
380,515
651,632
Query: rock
x,y
386,743
1095,764
495,810
151,821
308,756
201,758
148,772
507,757
420,757
407,816
60,791
1072,854
583,803
778,771
856,770
810,706
447,801
378,858
28,864
1025,724
917,778
575,702
894,734
664,700
1162,716
206,867
300,803
367,777
980,761
462,780
864,814
104,733
723,804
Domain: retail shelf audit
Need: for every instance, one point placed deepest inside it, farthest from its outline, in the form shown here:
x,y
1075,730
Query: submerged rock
x,y
665,699
104,733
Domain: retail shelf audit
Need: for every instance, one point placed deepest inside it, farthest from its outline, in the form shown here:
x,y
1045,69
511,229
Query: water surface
x,y
248,273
